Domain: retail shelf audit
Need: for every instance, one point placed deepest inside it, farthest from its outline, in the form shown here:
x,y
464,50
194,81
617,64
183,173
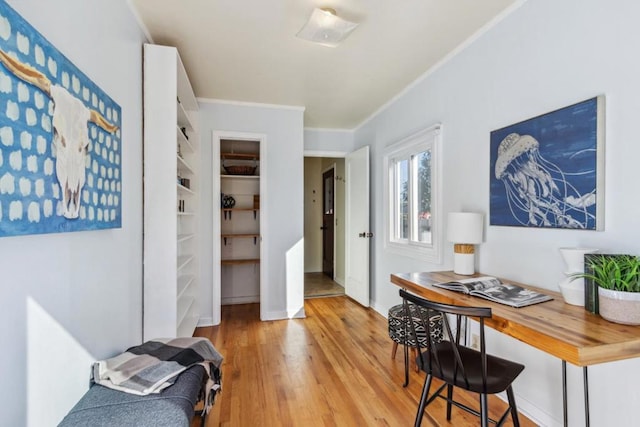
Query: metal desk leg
x,y
586,396
585,377
564,393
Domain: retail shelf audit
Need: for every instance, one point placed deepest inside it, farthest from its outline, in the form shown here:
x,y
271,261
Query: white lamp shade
x,y
326,28
465,227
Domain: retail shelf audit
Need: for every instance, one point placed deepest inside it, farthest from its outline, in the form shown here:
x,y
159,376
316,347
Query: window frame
x,y
426,139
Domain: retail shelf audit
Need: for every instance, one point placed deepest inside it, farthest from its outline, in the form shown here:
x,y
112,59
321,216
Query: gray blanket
x,y
155,365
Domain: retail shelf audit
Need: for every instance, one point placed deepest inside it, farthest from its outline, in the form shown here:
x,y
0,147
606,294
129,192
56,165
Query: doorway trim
x,y
216,300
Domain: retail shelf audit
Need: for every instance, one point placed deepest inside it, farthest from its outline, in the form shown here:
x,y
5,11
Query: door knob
x,y
362,234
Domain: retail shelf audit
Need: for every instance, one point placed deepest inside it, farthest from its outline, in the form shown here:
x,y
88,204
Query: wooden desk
x,y
568,332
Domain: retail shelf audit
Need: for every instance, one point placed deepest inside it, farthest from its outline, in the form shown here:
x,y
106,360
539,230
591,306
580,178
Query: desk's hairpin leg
x,y
585,378
586,396
564,394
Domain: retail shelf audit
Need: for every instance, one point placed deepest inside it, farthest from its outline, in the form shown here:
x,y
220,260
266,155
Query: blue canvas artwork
x,y
548,171
60,146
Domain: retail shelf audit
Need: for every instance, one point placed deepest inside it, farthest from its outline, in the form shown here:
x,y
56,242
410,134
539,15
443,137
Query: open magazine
x,y
493,289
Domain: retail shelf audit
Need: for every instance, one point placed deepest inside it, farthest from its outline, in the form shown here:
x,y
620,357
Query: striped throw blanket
x,y
155,365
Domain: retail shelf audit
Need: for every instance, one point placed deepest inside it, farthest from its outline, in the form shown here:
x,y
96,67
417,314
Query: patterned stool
x,y
397,321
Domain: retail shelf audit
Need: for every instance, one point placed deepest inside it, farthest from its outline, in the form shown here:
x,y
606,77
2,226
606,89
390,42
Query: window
x,y
412,196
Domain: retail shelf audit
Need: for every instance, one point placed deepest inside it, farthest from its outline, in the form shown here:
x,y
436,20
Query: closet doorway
x,y
324,232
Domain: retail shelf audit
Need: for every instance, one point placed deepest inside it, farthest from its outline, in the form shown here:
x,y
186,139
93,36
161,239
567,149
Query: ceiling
x,y
246,50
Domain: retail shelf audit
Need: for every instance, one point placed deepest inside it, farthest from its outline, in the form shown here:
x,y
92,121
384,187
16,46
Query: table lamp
x,y
464,230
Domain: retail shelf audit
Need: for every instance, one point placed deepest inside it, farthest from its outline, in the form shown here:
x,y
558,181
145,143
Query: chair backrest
x,y
453,340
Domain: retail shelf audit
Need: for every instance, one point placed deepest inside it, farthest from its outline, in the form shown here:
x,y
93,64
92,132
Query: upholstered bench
x,y
173,407
157,383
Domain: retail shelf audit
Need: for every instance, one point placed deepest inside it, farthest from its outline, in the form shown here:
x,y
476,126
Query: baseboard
x,y
275,315
339,281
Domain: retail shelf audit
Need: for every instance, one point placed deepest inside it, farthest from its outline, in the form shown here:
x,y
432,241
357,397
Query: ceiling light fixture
x,y
326,28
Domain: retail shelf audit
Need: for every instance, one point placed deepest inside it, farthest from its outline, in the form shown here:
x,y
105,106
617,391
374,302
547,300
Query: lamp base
x,y
463,263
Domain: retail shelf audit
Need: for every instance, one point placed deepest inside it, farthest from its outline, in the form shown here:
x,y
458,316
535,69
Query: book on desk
x,y
492,289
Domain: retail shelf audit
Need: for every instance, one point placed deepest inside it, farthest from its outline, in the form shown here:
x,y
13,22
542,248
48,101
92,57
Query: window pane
x,y
403,199
423,202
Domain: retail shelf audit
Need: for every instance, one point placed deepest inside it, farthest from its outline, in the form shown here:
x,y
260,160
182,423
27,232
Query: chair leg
x,y
484,410
449,400
405,352
394,350
423,400
414,357
514,409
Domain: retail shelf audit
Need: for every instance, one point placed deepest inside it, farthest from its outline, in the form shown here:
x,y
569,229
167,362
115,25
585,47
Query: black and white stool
x,y
400,333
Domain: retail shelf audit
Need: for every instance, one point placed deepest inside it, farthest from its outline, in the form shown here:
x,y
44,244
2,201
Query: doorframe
x,y
332,166
216,287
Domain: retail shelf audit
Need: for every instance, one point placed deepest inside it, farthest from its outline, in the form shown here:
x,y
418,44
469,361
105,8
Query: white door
x,y
357,226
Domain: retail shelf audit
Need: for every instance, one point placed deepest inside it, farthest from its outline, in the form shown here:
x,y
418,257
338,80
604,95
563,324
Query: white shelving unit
x,y
240,225
171,207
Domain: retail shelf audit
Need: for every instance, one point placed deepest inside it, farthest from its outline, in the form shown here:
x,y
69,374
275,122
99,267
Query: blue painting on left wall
x,y
60,139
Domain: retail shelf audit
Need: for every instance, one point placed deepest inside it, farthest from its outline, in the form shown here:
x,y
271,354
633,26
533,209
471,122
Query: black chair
x,y
460,366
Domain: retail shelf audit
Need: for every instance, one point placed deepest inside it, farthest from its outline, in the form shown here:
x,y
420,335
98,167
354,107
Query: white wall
x,y
545,55
312,214
85,286
328,141
282,205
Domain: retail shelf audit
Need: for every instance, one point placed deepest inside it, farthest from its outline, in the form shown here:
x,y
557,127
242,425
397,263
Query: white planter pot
x,y
619,307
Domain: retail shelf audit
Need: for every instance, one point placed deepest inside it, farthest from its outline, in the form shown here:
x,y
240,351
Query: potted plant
x,y
618,280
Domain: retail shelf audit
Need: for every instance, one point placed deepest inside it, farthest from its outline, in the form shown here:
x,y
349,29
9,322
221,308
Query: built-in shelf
x,y
183,118
184,305
184,190
183,284
240,176
171,158
239,236
228,211
184,237
183,261
240,261
240,156
183,141
184,166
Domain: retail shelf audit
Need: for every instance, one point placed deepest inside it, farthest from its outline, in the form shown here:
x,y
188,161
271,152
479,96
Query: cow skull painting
x,y
70,132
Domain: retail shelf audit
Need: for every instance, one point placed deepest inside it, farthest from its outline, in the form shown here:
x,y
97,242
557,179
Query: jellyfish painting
x,y
544,171
538,187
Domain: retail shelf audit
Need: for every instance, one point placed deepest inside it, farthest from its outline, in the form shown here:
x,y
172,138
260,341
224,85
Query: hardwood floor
x,y
333,368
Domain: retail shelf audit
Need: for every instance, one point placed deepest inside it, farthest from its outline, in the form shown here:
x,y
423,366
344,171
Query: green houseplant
x,y
618,282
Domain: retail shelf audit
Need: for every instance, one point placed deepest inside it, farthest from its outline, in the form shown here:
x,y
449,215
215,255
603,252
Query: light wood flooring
x,y
320,285
333,368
